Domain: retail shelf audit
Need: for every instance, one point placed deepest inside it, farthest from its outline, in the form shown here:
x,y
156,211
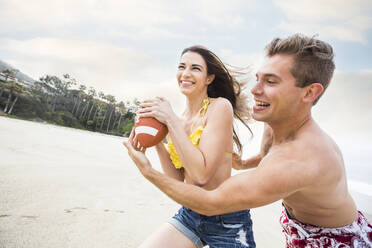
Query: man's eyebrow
x,y
269,75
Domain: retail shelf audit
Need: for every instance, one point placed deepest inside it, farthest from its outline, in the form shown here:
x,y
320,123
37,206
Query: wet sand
x,y
61,187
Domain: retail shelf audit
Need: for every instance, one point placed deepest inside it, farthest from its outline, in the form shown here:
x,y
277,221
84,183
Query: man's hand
x,y
137,153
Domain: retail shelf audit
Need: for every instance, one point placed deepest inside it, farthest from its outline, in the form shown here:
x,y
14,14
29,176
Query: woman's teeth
x,y
186,83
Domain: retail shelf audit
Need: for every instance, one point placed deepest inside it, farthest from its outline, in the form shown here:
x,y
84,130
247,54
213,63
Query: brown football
x,y
149,131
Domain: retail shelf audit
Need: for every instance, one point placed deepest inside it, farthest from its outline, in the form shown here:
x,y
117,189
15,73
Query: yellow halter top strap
x,y
194,137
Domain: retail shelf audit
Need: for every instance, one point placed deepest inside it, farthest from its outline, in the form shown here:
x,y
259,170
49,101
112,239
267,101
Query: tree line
x,y
64,102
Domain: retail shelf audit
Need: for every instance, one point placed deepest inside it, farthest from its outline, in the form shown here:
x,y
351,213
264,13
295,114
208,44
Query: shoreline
x,y
13,117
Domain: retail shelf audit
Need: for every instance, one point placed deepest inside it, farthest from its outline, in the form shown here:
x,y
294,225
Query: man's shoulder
x,y
309,156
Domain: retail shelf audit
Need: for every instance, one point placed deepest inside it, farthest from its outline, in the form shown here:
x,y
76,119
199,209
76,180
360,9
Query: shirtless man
x,y
303,165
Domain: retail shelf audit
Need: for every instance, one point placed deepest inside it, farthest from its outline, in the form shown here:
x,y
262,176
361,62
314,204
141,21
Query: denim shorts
x,y
226,230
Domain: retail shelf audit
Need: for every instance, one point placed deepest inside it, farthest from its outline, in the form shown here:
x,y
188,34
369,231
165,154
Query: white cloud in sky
x,y
45,14
148,19
339,19
225,13
96,64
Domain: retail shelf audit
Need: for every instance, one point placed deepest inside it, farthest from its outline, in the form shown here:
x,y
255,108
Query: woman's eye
x,y
196,68
270,82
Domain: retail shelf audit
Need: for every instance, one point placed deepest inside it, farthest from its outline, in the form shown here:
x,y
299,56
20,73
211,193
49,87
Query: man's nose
x,y
257,88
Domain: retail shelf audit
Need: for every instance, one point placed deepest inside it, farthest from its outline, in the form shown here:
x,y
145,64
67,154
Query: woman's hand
x,y
266,143
267,140
237,162
158,108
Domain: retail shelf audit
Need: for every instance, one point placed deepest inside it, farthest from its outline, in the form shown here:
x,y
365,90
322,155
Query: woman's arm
x,y
252,162
201,162
166,163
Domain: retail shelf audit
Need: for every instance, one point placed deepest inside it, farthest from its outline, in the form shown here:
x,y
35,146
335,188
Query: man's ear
x,y
210,79
312,92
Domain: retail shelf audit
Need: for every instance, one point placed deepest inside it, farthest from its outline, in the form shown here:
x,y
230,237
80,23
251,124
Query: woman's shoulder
x,y
221,105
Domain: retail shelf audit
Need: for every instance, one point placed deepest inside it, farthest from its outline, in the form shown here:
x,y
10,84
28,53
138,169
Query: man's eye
x,y
270,82
181,67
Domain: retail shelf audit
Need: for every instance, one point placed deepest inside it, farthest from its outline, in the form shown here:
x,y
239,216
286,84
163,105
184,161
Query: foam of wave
x,y
360,187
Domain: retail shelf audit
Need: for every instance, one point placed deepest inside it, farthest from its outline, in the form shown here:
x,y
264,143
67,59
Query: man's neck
x,y
288,129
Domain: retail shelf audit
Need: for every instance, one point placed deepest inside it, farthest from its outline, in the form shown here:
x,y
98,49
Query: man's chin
x,y
258,118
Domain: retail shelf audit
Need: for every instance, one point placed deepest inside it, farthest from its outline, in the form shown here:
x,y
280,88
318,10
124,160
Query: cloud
x,y
44,14
92,63
251,60
225,13
338,19
141,19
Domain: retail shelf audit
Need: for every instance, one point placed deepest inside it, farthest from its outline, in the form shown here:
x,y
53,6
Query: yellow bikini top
x,y
194,137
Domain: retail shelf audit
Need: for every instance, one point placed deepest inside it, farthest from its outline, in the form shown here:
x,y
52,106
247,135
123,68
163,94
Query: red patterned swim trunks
x,y
298,235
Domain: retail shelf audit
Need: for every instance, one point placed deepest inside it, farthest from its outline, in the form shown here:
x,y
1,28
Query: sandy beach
x,y
61,187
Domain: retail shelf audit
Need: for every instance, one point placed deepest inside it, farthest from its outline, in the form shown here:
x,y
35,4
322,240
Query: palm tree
x,y
101,95
104,97
2,88
18,91
68,96
122,111
52,84
14,89
8,74
92,94
111,99
81,95
89,97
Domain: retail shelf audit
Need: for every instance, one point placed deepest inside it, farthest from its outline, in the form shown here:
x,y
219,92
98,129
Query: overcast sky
x,y
131,48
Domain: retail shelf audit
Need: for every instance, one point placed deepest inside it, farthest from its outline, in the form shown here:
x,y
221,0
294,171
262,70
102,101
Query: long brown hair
x,y
225,84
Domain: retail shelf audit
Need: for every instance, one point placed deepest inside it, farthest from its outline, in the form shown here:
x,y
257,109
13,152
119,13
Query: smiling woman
x,y
200,147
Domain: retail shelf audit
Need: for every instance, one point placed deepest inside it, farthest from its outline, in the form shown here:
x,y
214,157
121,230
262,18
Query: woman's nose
x,y
186,72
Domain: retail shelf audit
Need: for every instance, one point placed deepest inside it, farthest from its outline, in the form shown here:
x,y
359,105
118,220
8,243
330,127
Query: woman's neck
x,y
193,105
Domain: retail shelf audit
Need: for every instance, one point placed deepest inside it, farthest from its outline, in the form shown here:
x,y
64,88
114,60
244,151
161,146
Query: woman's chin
x,y
186,91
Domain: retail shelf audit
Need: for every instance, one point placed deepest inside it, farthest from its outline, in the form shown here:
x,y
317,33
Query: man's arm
x,y
275,178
